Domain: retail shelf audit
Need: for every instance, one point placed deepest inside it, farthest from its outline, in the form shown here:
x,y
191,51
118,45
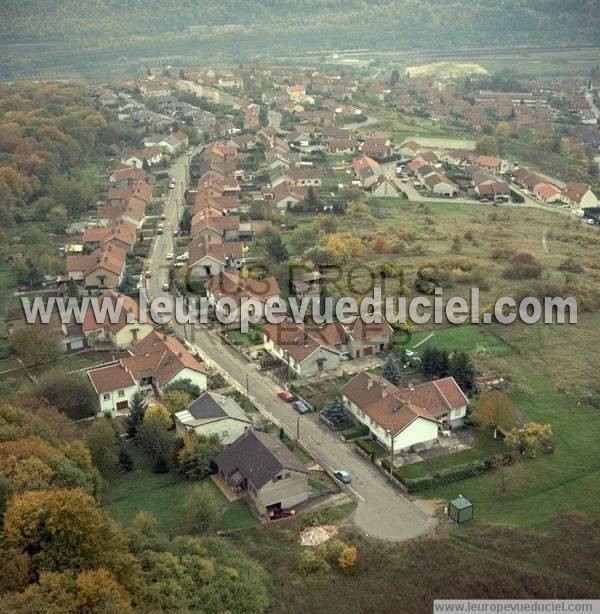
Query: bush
x,y
354,432
366,446
446,476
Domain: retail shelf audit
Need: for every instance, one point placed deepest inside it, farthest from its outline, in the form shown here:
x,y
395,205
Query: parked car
x,y
343,476
171,185
165,287
183,256
284,512
148,274
285,395
163,216
300,407
159,230
170,256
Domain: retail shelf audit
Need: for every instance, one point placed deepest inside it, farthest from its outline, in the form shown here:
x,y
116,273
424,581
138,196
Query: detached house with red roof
x,y
153,363
408,418
579,195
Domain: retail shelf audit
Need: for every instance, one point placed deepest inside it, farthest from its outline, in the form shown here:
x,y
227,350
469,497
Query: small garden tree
x,y
495,409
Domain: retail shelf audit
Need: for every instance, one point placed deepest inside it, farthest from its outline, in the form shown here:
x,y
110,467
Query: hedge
x,y
445,476
366,446
356,431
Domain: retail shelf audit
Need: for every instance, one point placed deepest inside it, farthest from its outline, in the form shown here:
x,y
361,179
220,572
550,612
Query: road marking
x,y
358,495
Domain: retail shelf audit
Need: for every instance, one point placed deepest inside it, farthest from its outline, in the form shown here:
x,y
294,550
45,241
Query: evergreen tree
x,y
137,411
125,462
160,464
462,369
391,370
275,248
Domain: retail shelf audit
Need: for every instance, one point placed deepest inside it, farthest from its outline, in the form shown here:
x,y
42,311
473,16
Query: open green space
x,y
164,495
470,338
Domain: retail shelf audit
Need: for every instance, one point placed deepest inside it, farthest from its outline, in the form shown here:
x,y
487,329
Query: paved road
x,y
382,511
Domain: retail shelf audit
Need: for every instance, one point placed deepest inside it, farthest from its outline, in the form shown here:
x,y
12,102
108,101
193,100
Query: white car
x,y
171,185
183,256
170,256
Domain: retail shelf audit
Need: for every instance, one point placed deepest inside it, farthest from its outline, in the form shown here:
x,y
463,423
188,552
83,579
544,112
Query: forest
x,y
322,23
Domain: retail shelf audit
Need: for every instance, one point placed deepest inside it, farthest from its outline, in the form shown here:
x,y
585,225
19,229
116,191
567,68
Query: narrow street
x,y
382,511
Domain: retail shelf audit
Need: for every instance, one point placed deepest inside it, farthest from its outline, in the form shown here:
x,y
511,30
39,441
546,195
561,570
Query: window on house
x,y
106,396
224,433
121,393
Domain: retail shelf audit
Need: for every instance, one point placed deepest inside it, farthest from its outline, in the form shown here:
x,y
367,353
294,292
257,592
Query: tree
x,y
394,77
434,362
380,244
125,462
495,409
347,559
532,438
176,401
335,410
101,440
160,414
312,201
71,393
155,436
510,475
137,411
145,523
66,530
196,454
461,369
57,218
202,509
391,370
185,385
33,344
487,145
275,248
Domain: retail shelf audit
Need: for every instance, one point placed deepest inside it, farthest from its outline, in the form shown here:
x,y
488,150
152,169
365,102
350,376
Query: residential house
x,y
548,193
366,170
208,257
440,185
235,289
456,157
492,163
408,149
159,360
223,228
383,187
305,177
579,195
103,268
114,386
126,328
408,418
262,466
342,146
214,414
497,190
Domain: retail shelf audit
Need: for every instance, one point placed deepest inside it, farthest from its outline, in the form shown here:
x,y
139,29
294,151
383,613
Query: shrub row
x,y
356,431
366,446
445,476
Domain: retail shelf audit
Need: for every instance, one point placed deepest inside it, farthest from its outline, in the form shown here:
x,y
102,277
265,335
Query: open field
x,y
492,561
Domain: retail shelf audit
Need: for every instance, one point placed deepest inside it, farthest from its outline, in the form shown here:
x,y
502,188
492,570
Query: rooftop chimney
x,y
384,391
410,386
369,384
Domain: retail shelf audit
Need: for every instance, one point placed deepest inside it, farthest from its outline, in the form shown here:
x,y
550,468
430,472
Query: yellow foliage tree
x,y
347,559
380,244
160,414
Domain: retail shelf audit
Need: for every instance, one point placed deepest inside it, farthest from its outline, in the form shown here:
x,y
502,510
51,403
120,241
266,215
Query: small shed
x,y
460,510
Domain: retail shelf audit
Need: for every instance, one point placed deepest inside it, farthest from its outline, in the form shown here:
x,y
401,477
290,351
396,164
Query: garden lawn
x,y
485,447
468,338
164,495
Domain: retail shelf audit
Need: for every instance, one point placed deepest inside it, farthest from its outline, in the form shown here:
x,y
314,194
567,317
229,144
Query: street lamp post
x,y
389,432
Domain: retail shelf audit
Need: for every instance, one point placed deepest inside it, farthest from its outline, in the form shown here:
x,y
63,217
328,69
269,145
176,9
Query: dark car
x,y
300,407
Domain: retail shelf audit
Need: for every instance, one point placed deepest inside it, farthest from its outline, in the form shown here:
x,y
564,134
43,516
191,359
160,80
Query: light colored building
x,y
404,419
214,414
115,387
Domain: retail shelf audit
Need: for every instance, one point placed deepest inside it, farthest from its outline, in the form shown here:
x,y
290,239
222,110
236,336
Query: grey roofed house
x,y
258,458
211,406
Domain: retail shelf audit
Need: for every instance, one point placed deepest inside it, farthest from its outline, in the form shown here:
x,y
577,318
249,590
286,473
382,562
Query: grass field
x,y
164,495
473,339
